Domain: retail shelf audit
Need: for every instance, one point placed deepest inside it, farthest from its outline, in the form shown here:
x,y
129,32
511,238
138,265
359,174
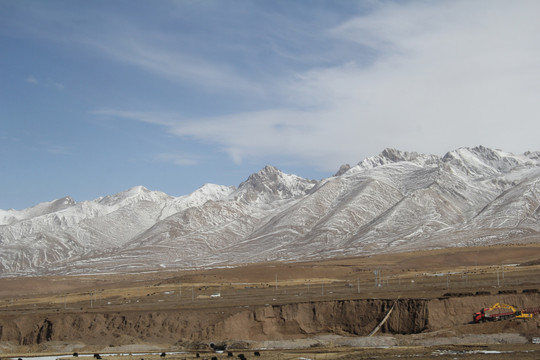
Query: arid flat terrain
x,y
427,274
330,306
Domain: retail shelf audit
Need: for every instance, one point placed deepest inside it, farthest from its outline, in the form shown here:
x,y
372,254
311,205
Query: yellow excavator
x,y
501,311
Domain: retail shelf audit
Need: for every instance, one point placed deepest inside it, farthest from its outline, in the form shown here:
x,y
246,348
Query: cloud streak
x,y
31,80
179,159
447,74
168,61
442,75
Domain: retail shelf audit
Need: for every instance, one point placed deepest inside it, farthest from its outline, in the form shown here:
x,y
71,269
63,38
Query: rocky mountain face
x,y
395,201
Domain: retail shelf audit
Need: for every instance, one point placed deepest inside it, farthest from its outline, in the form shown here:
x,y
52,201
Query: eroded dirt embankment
x,y
271,322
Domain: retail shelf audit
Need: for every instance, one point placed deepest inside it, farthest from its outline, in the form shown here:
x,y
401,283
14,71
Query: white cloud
x,y
448,74
443,75
31,79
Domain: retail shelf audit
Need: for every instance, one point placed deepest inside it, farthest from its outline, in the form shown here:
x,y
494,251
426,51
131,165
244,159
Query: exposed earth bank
x,y
190,328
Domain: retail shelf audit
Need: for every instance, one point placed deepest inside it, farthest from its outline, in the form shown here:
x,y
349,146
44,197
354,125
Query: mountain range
x,y
392,202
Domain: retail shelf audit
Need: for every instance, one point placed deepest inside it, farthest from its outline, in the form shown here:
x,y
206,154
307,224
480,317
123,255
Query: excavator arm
x,y
502,306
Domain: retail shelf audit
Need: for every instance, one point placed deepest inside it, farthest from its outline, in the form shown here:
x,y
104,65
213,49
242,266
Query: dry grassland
x,y
427,274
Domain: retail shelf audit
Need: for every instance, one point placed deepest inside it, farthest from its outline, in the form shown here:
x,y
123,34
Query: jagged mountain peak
x,y
385,157
62,203
342,170
271,184
481,161
393,156
533,155
268,172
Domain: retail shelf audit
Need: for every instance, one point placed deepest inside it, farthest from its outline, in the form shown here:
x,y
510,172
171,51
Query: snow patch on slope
x,y
394,201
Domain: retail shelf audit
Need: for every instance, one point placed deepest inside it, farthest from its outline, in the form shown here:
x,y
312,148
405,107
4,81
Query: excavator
x,y
501,311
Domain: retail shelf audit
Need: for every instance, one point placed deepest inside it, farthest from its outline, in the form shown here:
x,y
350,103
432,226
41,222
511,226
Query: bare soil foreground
x,y
310,310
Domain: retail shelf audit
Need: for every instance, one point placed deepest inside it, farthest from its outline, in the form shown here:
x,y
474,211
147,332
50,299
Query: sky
x,y
99,96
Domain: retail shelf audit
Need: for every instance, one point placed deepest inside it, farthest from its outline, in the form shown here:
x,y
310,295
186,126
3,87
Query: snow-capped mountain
x,y
394,201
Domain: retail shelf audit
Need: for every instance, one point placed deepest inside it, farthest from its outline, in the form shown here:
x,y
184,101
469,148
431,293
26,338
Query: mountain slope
x,y
394,201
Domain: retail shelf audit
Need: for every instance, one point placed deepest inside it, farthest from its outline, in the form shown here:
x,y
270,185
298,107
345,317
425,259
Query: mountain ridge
x,y
393,201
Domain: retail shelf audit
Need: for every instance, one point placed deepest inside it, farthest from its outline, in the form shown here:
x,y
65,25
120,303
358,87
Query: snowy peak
x,y
481,161
207,192
131,196
342,170
212,192
392,156
271,184
12,216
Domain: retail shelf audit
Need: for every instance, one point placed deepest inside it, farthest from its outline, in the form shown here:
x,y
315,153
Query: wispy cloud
x,y
179,159
446,74
147,117
58,150
164,48
441,75
174,65
31,80
54,149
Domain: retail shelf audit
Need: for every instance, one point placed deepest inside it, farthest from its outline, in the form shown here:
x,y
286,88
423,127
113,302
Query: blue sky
x,y
100,96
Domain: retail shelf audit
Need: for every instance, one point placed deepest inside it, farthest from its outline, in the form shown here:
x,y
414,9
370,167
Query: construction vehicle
x,y
503,312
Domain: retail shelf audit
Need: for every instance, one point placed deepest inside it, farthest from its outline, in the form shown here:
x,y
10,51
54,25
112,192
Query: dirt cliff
x,y
351,317
270,322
